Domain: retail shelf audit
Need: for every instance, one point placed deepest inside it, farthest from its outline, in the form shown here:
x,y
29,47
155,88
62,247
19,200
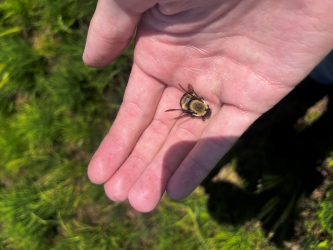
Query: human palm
x,y
242,57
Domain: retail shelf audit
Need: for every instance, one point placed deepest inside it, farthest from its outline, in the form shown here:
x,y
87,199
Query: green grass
x,y
272,190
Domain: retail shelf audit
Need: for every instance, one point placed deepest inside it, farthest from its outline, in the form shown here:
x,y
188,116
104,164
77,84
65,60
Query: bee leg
x,y
182,116
182,88
193,114
173,110
185,113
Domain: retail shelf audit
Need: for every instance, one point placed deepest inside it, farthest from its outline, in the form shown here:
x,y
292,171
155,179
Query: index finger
x,y
141,98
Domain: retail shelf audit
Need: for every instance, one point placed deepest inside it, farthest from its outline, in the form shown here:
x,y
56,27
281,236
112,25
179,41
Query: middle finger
x,y
146,192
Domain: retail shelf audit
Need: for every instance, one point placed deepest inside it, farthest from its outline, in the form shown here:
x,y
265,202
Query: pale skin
x,y
243,57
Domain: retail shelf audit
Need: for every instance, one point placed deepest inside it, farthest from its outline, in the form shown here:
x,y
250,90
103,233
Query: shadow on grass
x,y
283,150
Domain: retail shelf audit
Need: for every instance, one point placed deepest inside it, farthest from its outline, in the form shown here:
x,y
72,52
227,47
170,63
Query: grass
x,y
271,191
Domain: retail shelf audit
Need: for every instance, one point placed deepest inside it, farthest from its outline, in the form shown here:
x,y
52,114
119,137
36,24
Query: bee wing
x,y
193,93
190,88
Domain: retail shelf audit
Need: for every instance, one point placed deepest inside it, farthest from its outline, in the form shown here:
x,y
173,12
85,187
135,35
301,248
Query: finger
x,y
150,142
137,110
111,29
229,124
146,192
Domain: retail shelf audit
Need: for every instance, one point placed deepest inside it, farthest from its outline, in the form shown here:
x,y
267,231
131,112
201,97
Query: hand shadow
x,y
283,150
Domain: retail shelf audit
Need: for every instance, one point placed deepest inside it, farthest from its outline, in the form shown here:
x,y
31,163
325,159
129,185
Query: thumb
x,y
111,29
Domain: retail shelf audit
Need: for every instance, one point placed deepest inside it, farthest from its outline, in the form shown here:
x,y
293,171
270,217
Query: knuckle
x,y
202,167
133,109
221,144
159,127
183,133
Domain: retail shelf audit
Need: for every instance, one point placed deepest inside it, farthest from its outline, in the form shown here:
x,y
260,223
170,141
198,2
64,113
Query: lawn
x,y
271,191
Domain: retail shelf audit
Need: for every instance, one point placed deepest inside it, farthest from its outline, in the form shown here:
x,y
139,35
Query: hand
x,y
241,56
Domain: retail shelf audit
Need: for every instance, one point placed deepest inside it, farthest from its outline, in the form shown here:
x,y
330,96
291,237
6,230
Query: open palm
x,y
242,57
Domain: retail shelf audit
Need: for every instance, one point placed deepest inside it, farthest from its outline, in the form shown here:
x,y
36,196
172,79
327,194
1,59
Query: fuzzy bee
x,y
192,105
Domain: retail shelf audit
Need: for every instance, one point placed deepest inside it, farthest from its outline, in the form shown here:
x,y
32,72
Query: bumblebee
x,y
192,105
